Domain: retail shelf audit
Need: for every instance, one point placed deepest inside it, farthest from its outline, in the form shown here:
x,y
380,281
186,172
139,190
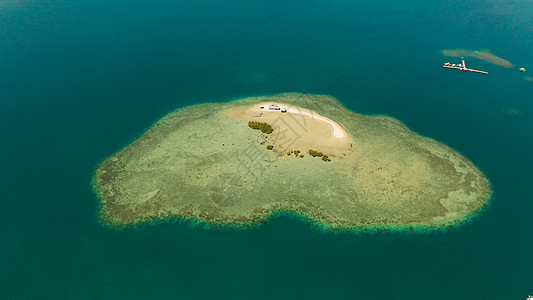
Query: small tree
x,y
264,127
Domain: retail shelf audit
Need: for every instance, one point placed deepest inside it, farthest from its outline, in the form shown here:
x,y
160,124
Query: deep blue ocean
x,y
81,79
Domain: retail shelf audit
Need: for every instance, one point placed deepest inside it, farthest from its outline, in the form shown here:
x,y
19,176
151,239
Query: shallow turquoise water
x,y
81,79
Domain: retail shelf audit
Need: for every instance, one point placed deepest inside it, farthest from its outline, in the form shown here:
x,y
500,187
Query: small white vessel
x,y
522,70
529,297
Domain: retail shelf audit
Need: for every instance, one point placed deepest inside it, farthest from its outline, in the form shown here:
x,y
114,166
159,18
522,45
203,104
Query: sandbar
x,y
483,54
338,131
297,128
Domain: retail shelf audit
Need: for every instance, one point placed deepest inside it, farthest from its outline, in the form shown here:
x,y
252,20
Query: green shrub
x,y
264,127
270,147
301,156
314,153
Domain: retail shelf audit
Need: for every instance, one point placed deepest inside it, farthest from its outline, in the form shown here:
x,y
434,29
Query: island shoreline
x,y
106,219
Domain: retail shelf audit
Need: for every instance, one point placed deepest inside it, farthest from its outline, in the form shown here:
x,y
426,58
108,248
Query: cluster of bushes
x,y
270,147
296,153
315,153
264,127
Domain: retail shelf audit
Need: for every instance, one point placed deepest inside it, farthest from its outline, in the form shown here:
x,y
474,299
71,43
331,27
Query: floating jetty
x,y
462,67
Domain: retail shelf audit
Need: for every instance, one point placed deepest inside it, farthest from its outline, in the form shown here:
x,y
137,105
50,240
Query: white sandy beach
x,y
297,128
338,131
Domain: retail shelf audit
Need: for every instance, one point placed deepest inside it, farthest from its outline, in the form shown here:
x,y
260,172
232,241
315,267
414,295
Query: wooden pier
x,y
462,67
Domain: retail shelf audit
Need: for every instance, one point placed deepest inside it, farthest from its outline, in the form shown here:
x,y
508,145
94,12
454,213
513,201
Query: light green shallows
x,y
197,164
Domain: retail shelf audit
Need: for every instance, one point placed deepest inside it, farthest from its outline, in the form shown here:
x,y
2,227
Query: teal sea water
x,y
81,79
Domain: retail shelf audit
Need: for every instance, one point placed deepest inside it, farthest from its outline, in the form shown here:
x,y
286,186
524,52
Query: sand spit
x,y
338,131
203,162
484,54
297,128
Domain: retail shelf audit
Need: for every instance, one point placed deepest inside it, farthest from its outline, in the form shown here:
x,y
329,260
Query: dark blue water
x,y
81,79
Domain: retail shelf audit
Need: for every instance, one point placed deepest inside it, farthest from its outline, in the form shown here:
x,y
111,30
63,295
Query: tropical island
x,y
483,54
238,163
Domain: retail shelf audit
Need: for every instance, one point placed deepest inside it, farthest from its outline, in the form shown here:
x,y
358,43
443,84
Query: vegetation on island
x,y
311,152
315,153
264,127
270,147
296,152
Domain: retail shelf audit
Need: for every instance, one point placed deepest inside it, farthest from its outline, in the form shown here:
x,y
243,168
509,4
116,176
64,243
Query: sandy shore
x,y
297,128
338,131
